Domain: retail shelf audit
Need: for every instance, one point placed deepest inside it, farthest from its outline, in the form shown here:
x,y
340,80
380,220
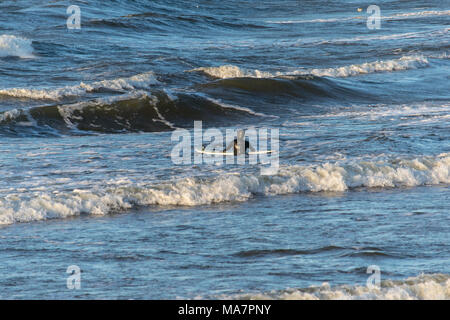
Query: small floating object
x,y
359,9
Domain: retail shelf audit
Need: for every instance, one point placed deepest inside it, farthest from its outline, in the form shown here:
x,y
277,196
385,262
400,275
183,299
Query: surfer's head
x,y
240,134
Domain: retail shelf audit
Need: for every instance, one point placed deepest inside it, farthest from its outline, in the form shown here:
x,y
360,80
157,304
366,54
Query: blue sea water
x,y
87,178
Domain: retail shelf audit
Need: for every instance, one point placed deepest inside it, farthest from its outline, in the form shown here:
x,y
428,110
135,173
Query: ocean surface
x,y
87,178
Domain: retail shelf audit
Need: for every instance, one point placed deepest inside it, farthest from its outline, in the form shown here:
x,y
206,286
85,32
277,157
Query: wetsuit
x,y
236,147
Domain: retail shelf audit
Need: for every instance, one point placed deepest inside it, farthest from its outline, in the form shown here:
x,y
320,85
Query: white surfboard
x,y
231,153
260,152
215,152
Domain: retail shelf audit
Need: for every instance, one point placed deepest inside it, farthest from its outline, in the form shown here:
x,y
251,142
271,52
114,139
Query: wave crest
x,y
139,81
196,191
403,63
422,287
12,46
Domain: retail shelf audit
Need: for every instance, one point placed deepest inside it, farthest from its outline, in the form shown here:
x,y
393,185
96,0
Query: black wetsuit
x,y
236,147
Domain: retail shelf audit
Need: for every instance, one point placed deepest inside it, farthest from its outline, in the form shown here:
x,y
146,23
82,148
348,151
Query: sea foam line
x,y
194,191
238,108
15,47
403,63
139,81
422,287
397,16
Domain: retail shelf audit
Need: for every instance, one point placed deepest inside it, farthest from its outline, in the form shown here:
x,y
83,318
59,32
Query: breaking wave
x,y
194,191
137,111
422,287
139,81
403,63
12,46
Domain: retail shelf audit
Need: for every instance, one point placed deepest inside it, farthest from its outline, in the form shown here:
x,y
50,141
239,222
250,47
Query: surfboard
x,y
231,153
215,152
260,152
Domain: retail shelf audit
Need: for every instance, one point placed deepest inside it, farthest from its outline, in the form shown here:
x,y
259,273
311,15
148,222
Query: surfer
x,y
235,144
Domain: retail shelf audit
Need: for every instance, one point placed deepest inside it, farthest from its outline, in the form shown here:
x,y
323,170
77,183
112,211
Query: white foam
x,y
331,177
319,20
10,115
231,71
415,14
162,119
139,81
407,35
422,287
239,108
403,63
409,113
443,55
397,16
425,35
317,41
15,46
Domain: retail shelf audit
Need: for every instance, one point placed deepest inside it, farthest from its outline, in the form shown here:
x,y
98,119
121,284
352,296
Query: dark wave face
x,y
240,54
301,88
141,114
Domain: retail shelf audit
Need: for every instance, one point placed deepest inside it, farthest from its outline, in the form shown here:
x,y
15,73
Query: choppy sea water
x,y
87,178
